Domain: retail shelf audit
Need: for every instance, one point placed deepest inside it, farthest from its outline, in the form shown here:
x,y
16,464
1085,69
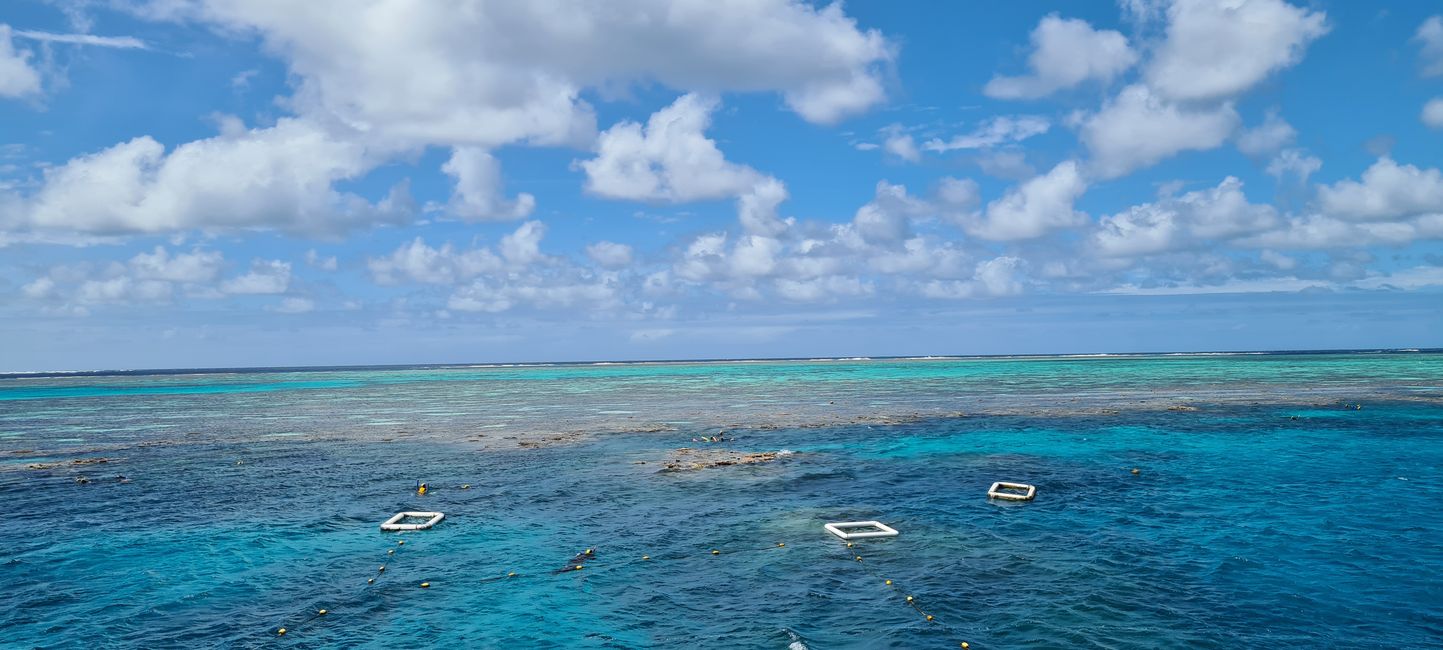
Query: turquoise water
x,y
1277,514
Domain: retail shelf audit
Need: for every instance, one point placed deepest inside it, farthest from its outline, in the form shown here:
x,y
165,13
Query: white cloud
x,y
118,42
610,255
1035,207
1066,53
278,177
1294,163
17,77
757,208
1432,114
1387,191
1215,49
417,262
1430,38
670,159
324,263
1280,261
195,267
148,277
294,305
1267,138
900,144
477,195
499,73
998,130
42,287
1001,276
265,277
123,290
514,275
1324,232
1139,128
1191,221
886,217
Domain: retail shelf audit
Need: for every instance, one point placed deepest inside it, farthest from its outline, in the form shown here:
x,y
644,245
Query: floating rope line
x,y
908,598
581,562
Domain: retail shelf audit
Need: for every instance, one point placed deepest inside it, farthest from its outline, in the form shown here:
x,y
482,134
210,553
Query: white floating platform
x,y
871,529
394,523
997,491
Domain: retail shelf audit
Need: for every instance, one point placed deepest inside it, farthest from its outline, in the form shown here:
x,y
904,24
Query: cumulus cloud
x,y
265,277
1267,138
1294,163
1139,128
1193,220
1430,39
513,275
156,276
17,77
1387,191
477,195
610,255
669,159
324,263
278,177
1216,49
293,305
1035,207
1066,52
499,73
900,144
993,132
1432,114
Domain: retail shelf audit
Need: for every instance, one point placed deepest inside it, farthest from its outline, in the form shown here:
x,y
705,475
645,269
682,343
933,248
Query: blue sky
x,y
205,183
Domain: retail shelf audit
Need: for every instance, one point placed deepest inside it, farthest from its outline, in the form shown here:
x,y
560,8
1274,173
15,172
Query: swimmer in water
x,y
577,562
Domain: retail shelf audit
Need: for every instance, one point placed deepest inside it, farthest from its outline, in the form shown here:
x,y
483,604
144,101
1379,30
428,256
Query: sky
x,y
217,183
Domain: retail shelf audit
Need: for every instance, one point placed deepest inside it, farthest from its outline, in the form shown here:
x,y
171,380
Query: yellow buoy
x,y
849,545
909,599
964,645
591,551
780,544
425,585
889,582
578,567
929,617
511,575
715,552
1136,471
646,557
321,613
466,486
400,542
281,632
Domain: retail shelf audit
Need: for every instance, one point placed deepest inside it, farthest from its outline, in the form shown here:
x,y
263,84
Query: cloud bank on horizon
x,y
206,182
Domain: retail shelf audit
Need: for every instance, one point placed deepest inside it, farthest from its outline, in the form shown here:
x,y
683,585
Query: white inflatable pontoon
x,y
877,529
996,491
394,523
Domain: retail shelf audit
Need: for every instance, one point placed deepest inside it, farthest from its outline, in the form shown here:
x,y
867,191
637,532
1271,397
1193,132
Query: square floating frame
x,y
394,523
999,490
875,529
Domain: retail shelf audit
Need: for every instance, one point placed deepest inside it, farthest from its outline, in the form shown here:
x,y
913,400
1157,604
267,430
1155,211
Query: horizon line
x,y
20,374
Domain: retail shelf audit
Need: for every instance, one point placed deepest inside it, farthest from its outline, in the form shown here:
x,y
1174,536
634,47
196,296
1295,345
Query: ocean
x,y
1279,500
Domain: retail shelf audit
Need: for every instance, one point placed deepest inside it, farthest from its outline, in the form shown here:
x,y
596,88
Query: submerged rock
x,y
688,458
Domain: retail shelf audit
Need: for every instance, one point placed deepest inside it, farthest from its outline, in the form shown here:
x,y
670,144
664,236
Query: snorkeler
x,y
577,562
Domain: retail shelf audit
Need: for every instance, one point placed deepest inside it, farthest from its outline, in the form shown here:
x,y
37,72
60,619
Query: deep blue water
x,y
1245,528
